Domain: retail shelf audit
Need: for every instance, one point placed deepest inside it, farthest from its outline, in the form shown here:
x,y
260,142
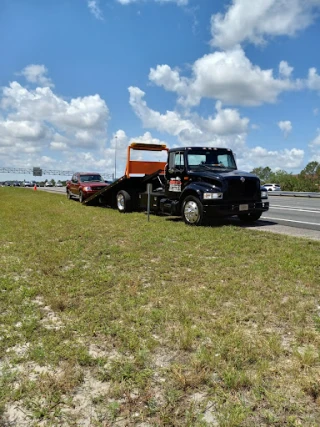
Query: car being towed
x,y
84,184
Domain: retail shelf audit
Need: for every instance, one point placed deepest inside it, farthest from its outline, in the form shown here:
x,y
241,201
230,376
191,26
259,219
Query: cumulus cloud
x,y
94,8
276,159
286,127
315,148
34,121
285,69
37,74
313,81
256,21
228,76
315,143
225,129
189,128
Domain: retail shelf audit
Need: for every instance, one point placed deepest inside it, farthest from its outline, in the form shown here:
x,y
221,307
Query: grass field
x,y
108,320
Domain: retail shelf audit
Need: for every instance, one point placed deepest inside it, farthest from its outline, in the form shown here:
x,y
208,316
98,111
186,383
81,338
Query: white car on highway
x,y
272,187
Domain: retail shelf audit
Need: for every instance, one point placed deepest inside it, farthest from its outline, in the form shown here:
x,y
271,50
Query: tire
x,y
123,201
250,216
192,211
69,197
81,197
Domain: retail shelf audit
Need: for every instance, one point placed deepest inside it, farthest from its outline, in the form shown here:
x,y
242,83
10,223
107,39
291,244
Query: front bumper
x,y
232,209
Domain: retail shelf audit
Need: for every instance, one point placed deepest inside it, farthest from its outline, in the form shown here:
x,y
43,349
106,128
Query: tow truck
x,y
196,183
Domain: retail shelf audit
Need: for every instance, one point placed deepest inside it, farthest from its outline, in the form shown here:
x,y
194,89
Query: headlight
x,y
264,194
210,196
87,188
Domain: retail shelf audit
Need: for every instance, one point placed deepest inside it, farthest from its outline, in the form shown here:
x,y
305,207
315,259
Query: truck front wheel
x,y
81,197
192,211
250,216
124,202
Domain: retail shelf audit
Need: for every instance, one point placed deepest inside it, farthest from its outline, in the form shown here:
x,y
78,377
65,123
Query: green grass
x,y
112,319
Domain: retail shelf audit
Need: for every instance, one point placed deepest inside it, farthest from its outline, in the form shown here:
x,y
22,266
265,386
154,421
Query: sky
x,y
81,79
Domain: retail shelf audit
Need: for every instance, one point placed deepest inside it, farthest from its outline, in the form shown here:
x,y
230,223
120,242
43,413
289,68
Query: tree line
x,y
307,180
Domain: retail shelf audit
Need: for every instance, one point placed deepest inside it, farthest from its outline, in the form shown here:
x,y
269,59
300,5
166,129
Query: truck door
x,y
75,185
175,173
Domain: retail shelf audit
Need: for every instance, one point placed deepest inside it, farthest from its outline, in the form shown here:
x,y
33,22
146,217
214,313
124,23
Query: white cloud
x,y
189,128
36,74
315,143
285,69
37,121
255,21
41,104
94,8
276,159
225,129
315,148
313,81
286,127
228,76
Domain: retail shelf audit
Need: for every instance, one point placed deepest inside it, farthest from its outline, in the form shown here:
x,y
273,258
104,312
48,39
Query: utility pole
x,y
115,157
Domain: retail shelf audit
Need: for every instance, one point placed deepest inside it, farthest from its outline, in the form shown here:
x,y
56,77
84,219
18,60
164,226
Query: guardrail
x,y
293,193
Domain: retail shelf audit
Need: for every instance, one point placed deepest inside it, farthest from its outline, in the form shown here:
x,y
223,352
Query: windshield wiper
x,y
215,166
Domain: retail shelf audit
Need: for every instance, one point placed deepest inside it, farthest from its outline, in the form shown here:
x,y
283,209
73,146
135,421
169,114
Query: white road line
x,y
289,220
288,208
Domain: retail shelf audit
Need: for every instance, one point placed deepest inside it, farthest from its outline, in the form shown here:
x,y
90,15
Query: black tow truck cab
x,y
196,183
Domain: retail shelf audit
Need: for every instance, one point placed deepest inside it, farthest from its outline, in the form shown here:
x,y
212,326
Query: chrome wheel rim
x,y
120,202
191,212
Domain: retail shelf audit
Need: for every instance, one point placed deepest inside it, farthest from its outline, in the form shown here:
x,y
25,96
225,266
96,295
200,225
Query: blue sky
x,y
81,77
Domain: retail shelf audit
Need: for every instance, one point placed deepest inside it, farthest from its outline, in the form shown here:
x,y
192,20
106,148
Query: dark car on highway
x,y
84,184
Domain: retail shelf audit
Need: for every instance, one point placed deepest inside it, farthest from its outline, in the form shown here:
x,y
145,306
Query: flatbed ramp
x,y
135,184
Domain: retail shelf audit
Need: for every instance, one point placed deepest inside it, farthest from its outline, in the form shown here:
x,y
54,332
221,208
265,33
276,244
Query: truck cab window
x,y
176,160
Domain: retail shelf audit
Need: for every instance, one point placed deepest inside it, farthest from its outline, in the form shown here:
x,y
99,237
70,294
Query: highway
x,y
300,212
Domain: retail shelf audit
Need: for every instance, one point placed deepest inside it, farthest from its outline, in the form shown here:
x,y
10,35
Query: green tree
x,y
263,173
312,170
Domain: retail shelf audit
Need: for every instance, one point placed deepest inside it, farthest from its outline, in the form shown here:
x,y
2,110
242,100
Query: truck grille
x,y
246,190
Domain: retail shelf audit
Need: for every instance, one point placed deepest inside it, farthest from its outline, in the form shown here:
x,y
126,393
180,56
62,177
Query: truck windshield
x,y
91,178
210,159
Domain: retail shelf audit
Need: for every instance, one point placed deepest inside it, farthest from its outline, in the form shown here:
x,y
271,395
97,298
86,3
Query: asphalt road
x,y
299,212
295,216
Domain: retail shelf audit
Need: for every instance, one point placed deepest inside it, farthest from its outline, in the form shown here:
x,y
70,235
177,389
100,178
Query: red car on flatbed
x,y
84,184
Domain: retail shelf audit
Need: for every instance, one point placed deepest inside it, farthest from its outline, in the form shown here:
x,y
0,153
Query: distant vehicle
x,y
272,187
16,184
59,184
48,184
84,184
28,184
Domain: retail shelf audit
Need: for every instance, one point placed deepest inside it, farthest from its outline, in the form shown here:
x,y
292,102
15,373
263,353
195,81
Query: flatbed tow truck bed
x,y
149,171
